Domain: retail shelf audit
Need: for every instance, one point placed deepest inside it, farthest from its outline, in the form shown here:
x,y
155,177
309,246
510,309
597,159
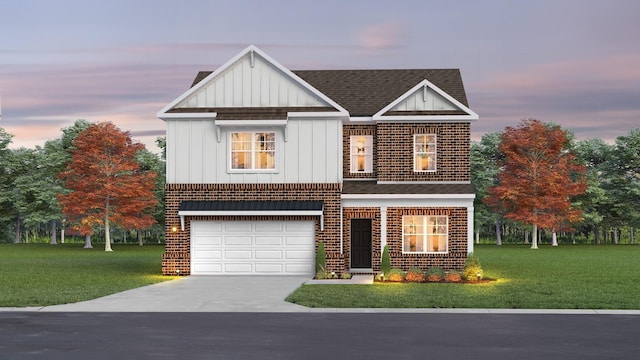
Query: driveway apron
x,y
200,294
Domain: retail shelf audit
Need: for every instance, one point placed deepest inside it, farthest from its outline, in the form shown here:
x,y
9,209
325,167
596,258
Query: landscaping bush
x,y
395,275
415,275
345,276
321,275
385,265
321,259
435,274
472,269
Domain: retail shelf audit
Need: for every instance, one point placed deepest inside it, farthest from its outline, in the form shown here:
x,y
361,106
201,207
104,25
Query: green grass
x,y
566,277
40,274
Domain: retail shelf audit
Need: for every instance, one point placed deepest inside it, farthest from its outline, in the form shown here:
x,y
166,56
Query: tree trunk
x,y
54,233
526,236
107,231
87,242
631,238
498,233
554,239
62,231
17,240
614,237
596,234
534,237
140,237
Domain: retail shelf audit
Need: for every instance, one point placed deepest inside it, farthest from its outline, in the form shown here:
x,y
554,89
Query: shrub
x,y
395,275
321,258
321,275
435,274
415,275
472,269
385,265
345,276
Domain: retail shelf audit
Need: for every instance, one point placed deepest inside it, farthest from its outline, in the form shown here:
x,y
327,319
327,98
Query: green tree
x,y
485,156
7,212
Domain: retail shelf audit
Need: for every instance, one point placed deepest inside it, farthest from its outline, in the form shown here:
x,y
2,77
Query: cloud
x,y
381,36
592,97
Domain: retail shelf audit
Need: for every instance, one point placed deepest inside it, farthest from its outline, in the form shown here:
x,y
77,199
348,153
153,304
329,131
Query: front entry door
x,y
361,243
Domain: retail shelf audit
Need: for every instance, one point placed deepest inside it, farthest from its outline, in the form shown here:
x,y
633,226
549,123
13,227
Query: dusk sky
x,y
575,62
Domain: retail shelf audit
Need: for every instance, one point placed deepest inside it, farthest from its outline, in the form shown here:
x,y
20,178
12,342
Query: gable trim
x,y
470,114
251,49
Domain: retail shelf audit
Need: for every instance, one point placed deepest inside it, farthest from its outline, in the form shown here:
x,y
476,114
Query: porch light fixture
x,y
174,229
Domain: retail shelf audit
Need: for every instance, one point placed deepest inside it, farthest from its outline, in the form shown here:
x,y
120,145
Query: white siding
x,y
260,85
417,101
312,154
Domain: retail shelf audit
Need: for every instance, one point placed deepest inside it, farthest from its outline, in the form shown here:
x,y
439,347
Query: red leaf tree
x,y
105,183
539,176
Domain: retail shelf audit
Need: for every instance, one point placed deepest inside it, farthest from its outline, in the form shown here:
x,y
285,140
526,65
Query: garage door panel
x,y
237,240
208,255
269,254
268,226
207,240
268,240
270,268
252,247
237,254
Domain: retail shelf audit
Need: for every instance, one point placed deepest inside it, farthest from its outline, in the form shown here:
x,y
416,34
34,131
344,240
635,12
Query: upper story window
x,y
425,234
253,150
424,152
361,154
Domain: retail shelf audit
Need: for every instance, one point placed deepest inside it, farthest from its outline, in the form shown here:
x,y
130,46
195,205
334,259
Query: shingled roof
x,y
365,92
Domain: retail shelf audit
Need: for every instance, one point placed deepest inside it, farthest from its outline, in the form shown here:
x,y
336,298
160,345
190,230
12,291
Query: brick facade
x,y
176,259
395,151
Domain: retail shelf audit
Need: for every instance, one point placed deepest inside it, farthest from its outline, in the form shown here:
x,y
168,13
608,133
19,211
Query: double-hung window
x,y
424,152
361,154
253,151
425,233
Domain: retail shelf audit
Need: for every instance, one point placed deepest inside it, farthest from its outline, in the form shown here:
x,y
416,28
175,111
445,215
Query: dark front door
x,y
361,243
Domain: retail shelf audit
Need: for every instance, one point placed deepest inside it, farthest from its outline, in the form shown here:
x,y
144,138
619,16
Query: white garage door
x,y
252,247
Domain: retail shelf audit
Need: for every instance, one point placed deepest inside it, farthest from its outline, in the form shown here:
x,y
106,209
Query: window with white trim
x,y
361,154
425,234
253,150
424,152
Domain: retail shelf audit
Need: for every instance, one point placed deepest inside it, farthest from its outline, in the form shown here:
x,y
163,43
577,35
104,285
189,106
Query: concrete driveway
x,y
200,294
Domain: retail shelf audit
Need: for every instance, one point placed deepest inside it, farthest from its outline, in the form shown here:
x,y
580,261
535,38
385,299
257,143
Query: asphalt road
x,y
34,335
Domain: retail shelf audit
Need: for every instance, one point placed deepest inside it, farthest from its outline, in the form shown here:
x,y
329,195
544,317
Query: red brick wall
x,y
395,151
176,259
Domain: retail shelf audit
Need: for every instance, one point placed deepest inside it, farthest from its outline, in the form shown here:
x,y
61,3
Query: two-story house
x,y
264,163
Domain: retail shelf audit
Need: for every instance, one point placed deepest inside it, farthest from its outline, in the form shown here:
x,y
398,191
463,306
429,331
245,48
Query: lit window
x,y
253,151
424,152
424,234
361,154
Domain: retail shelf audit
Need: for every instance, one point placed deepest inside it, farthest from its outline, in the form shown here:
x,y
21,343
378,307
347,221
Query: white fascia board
x,y
423,118
317,114
470,113
251,122
171,116
407,203
361,120
408,196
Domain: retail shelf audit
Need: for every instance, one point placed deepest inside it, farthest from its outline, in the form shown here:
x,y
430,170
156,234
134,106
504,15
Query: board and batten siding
x,y
312,154
424,101
242,85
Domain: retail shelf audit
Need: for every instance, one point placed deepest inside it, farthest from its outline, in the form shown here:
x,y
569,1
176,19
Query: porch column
x,y
383,227
470,229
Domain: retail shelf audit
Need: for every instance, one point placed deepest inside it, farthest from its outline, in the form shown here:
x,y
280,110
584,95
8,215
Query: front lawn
x,y
42,274
566,277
